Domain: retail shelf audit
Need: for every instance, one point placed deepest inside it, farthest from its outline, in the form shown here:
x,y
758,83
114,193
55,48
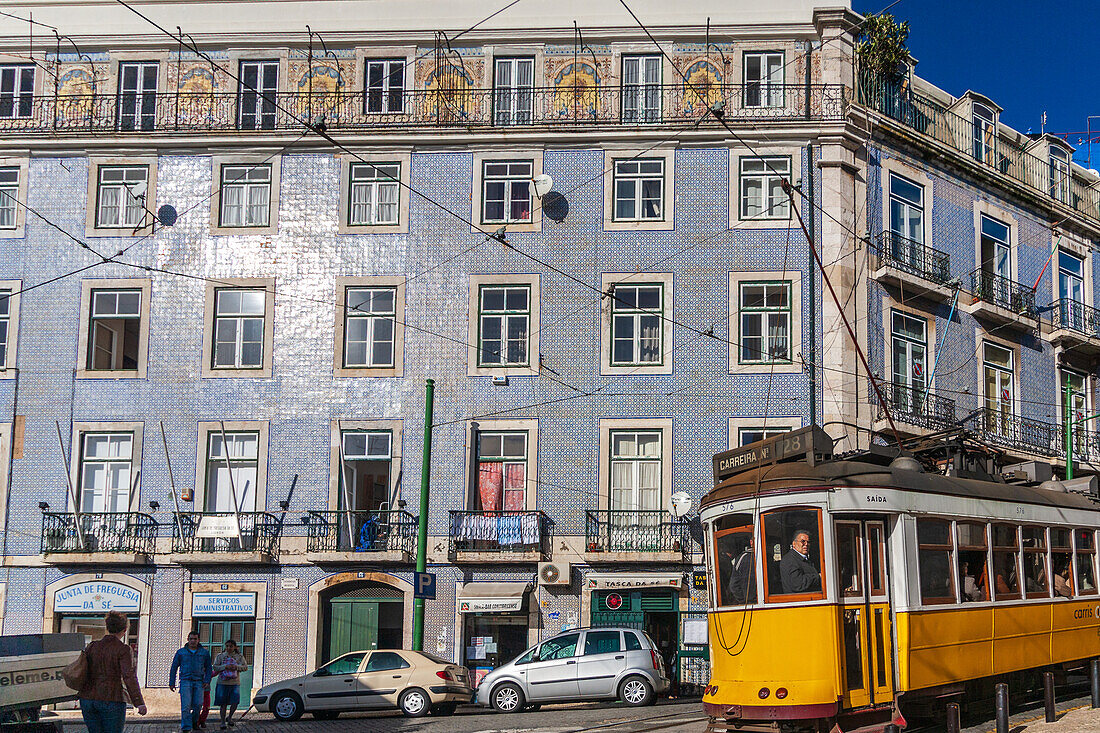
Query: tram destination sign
x,y
806,443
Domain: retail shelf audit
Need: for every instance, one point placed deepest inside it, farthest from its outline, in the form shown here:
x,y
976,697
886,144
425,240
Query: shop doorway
x,y
93,628
654,611
361,617
214,632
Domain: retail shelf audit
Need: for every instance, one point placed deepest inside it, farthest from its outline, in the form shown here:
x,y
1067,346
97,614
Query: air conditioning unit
x,y
554,573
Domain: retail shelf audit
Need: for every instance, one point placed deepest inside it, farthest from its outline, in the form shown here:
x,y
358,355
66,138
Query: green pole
x,y
1069,432
422,520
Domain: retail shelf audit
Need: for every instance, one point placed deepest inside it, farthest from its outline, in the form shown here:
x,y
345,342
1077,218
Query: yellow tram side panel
x,y
944,646
794,648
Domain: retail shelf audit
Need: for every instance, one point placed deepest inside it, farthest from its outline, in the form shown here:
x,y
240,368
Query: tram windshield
x,y
792,554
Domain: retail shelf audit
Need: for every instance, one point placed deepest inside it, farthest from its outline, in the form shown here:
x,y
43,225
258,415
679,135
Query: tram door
x,y
865,612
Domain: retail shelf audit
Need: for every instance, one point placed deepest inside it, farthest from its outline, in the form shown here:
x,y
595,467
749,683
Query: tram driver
x,y
797,573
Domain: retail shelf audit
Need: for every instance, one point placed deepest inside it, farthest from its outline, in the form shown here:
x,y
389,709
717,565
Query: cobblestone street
x,y
667,716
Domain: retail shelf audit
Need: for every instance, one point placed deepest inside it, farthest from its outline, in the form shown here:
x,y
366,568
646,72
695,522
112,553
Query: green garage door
x,y
364,618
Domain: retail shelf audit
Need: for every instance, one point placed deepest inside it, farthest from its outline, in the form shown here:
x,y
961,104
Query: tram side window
x,y
792,555
1062,562
1034,540
973,576
735,560
934,561
1084,541
848,557
1006,557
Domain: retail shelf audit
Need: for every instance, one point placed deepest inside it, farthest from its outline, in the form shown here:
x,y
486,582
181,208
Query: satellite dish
x,y
543,184
167,215
138,189
681,504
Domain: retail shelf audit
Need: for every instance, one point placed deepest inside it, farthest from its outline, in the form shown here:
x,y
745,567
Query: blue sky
x,y
1027,57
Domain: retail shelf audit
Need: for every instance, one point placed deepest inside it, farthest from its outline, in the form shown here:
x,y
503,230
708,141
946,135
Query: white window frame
x,y
214,427
11,319
611,158
76,457
140,93
534,222
513,100
509,180
609,426
343,284
93,225
771,92
984,366
21,94
772,208
504,315
9,197
338,429
608,309
1061,176
212,288
638,180
218,163
129,203
475,367
88,289
244,181
403,160
636,106
736,278
984,138
386,87
372,316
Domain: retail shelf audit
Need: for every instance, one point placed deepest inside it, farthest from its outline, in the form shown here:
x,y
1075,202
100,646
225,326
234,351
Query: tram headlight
x,y
781,693
764,692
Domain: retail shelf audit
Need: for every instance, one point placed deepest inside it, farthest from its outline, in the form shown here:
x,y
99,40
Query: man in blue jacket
x,y
193,663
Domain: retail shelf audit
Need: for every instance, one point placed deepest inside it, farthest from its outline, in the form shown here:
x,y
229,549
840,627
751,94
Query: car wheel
x,y
507,698
327,714
286,706
414,702
447,708
635,691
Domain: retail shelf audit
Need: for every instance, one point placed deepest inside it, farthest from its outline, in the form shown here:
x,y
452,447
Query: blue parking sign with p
x,y
424,586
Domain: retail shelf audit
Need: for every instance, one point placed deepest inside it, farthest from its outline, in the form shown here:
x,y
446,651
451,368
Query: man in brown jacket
x,y
110,664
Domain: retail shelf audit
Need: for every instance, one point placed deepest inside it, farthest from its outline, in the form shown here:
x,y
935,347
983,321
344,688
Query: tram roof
x,y
795,475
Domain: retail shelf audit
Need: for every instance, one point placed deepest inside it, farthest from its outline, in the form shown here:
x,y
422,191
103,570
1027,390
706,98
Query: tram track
x,y
642,724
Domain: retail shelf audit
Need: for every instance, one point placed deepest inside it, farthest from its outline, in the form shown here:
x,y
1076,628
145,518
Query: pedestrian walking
x,y
228,667
192,661
110,665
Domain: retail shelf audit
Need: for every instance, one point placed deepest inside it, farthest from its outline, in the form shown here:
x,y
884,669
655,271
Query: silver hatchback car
x,y
581,664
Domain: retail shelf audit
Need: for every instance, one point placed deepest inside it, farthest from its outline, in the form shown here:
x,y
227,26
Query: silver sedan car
x,y
582,664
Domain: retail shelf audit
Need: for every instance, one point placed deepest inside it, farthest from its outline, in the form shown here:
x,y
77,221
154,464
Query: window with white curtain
x,y
639,189
765,310
636,313
120,196
5,324
242,460
245,195
374,194
513,90
105,467
9,197
635,473
762,195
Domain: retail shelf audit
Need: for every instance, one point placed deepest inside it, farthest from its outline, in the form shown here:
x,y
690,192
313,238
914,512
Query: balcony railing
x,y
1000,154
1003,292
211,532
500,532
635,532
1022,433
562,105
1076,316
129,533
361,531
916,406
912,257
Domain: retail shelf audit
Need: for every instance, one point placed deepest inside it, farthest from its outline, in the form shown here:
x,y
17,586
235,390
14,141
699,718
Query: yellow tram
x,y
848,592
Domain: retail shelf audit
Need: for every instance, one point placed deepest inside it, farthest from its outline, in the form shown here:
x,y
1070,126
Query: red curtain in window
x,y
515,485
490,481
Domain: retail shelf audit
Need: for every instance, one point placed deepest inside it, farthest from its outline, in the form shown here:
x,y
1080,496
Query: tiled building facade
x,y
656,306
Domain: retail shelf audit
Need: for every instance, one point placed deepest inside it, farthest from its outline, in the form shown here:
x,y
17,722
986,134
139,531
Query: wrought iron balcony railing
x,y
913,257
637,532
916,406
1003,292
1076,316
116,532
1021,433
500,532
361,531
210,532
1003,155
561,105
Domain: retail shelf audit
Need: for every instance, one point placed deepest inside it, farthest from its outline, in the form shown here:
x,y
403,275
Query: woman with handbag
x,y
109,664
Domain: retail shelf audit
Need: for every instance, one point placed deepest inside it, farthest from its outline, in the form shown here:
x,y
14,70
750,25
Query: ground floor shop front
x,y
290,619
